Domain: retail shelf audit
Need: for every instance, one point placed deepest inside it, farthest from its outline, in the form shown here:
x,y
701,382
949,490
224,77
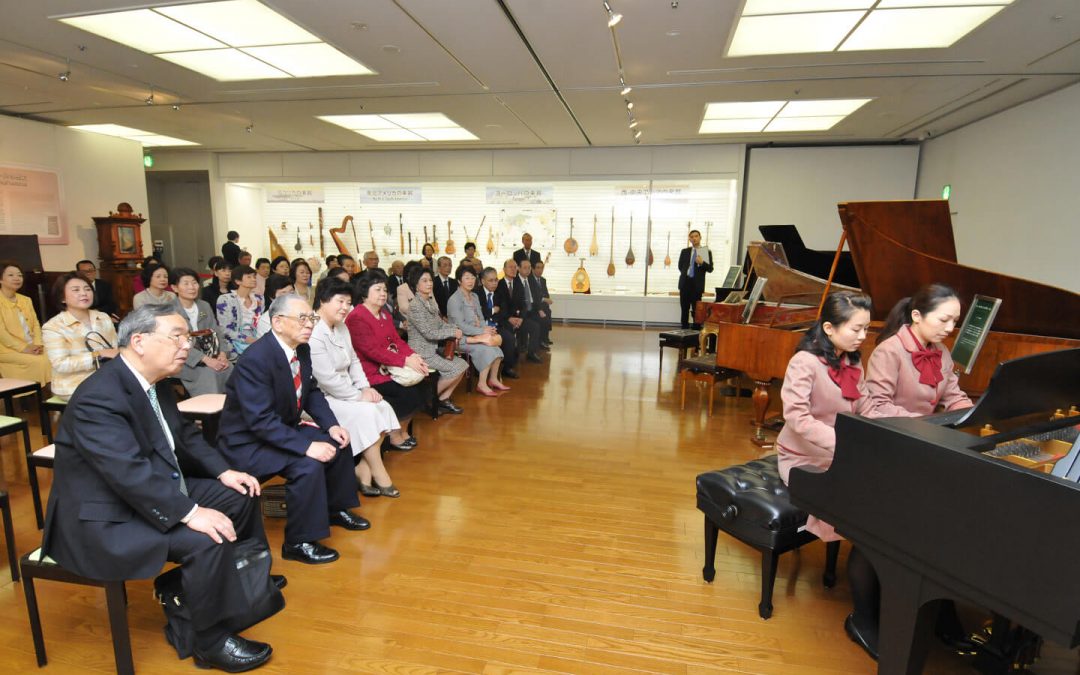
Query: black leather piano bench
x,y
684,340
751,503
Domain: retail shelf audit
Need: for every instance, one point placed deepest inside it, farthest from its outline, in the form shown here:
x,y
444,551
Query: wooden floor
x,y
550,530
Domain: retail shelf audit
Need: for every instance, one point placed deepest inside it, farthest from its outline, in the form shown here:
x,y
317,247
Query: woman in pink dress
x,y
823,379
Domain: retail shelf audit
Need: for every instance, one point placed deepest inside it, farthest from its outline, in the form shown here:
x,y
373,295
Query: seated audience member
x,y
280,265
404,294
395,278
238,311
470,255
22,354
340,273
545,298
347,263
244,258
377,344
156,281
211,265
103,292
823,379
371,261
276,286
301,277
220,284
357,405
155,491
78,337
481,341
331,264
262,432
535,308
510,296
262,272
137,284
497,317
445,284
203,373
426,330
427,258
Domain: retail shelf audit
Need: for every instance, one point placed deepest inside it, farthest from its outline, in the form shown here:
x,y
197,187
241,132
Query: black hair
x,y
414,277
838,309
241,271
85,262
260,261
213,261
363,282
61,283
327,288
423,250
180,272
220,264
331,258
691,232
925,300
278,260
148,271
296,265
274,283
463,270
342,257
409,267
233,235
468,245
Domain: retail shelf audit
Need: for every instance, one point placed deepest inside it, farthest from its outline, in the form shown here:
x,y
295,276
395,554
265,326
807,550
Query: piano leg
x,y
769,559
760,399
708,572
907,623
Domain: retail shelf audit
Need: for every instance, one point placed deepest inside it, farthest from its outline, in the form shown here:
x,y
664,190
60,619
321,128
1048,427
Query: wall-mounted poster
x,y
31,203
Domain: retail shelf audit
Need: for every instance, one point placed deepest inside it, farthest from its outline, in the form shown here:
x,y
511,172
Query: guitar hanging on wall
x,y
450,248
570,245
630,247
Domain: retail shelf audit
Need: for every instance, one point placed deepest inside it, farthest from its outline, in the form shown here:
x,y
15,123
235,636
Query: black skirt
x,y
404,400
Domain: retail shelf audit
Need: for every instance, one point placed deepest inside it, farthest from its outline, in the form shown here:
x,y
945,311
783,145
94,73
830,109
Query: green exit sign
x,y
946,190
148,161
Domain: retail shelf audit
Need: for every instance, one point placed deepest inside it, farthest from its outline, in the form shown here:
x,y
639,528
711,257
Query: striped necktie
x,y
294,364
151,393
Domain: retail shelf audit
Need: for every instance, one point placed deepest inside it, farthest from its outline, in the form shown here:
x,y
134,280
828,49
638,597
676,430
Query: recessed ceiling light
x,y
842,107
308,60
225,65
803,123
147,138
919,28
390,135
449,134
742,109
633,123
791,33
239,23
404,127
421,120
777,116
356,122
144,30
758,7
733,126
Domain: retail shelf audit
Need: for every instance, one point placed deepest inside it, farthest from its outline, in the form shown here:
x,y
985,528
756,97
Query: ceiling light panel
x,y
144,30
356,122
758,7
890,4
240,23
309,60
389,135
741,126
803,123
449,134
147,138
158,141
842,107
918,28
225,65
744,109
421,120
791,33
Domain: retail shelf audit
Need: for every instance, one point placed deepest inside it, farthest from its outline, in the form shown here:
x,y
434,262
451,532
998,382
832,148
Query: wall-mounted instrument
x,y
708,226
491,239
311,239
474,239
355,239
425,239
630,247
451,247
594,247
371,232
298,247
276,249
667,258
580,281
401,234
410,243
570,245
322,244
611,255
648,245
336,231
434,239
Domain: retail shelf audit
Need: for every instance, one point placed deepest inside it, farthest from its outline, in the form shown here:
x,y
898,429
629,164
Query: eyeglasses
x,y
303,318
181,340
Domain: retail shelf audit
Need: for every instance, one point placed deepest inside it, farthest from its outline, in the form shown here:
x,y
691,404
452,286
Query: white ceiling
x,y
554,84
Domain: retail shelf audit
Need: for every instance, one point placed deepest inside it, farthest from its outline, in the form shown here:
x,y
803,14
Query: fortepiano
x,y
815,263
940,517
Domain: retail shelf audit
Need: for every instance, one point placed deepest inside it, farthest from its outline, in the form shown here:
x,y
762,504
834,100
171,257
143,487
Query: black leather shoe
x,y
234,655
405,446
534,358
350,521
511,373
448,406
864,638
310,552
279,581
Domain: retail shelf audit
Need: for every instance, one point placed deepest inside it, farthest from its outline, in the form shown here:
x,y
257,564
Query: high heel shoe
x,y
388,491
369,490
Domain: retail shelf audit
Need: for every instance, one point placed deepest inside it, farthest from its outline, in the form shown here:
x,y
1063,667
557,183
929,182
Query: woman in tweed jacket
x,y
426,330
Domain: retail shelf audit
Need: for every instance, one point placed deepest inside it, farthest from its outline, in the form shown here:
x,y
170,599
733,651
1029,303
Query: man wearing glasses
x,y
262,430
135,485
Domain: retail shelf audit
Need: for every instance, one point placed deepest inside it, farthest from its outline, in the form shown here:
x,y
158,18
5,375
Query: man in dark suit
x,y
395,279
230,250
103,293
261,430
496,315
534,300
694,262
135,485
526,252
545,297
510,295
445,285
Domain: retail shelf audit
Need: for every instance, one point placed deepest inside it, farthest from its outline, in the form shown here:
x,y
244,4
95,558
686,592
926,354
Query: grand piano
x,y
897,246
948,507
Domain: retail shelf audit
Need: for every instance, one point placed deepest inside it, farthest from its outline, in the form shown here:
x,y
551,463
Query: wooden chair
x,y
206,409
44,458
703,367
11,387
9,535
36,566
51,405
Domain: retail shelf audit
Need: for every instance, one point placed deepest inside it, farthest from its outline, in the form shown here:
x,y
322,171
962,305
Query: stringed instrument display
x,y
322,244
630,247
570,245
336,231
594,247
579,283
649,260
298,247
355,239
371,231
425,240
478,231
401,235
276,249
611,256
667,258
450,248
491,239
434,239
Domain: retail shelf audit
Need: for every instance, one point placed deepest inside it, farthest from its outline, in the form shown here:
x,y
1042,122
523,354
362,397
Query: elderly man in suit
x,y
262,431
496,315
445,284
135,485
103,291
510,297
526,251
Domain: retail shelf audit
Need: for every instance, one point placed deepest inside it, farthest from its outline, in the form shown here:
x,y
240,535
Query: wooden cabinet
x,y
121,252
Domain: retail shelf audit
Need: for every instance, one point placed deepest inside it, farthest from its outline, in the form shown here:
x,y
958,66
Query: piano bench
x,y
684,340
751,503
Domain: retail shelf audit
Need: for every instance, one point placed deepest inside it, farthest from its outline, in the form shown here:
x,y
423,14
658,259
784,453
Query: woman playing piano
x,y
823,378
911,375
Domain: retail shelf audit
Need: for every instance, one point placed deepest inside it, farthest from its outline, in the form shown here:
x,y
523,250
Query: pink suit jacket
x,y
893,381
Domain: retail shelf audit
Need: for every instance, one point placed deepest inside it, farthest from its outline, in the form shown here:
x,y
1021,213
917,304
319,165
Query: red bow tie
x,y
847,378
928,362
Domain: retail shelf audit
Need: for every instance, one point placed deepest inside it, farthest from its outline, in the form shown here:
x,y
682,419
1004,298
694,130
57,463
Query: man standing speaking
x,y
694,263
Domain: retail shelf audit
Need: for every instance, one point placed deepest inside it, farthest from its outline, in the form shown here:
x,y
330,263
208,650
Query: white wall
x,y
1015,181
802,186
97,173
